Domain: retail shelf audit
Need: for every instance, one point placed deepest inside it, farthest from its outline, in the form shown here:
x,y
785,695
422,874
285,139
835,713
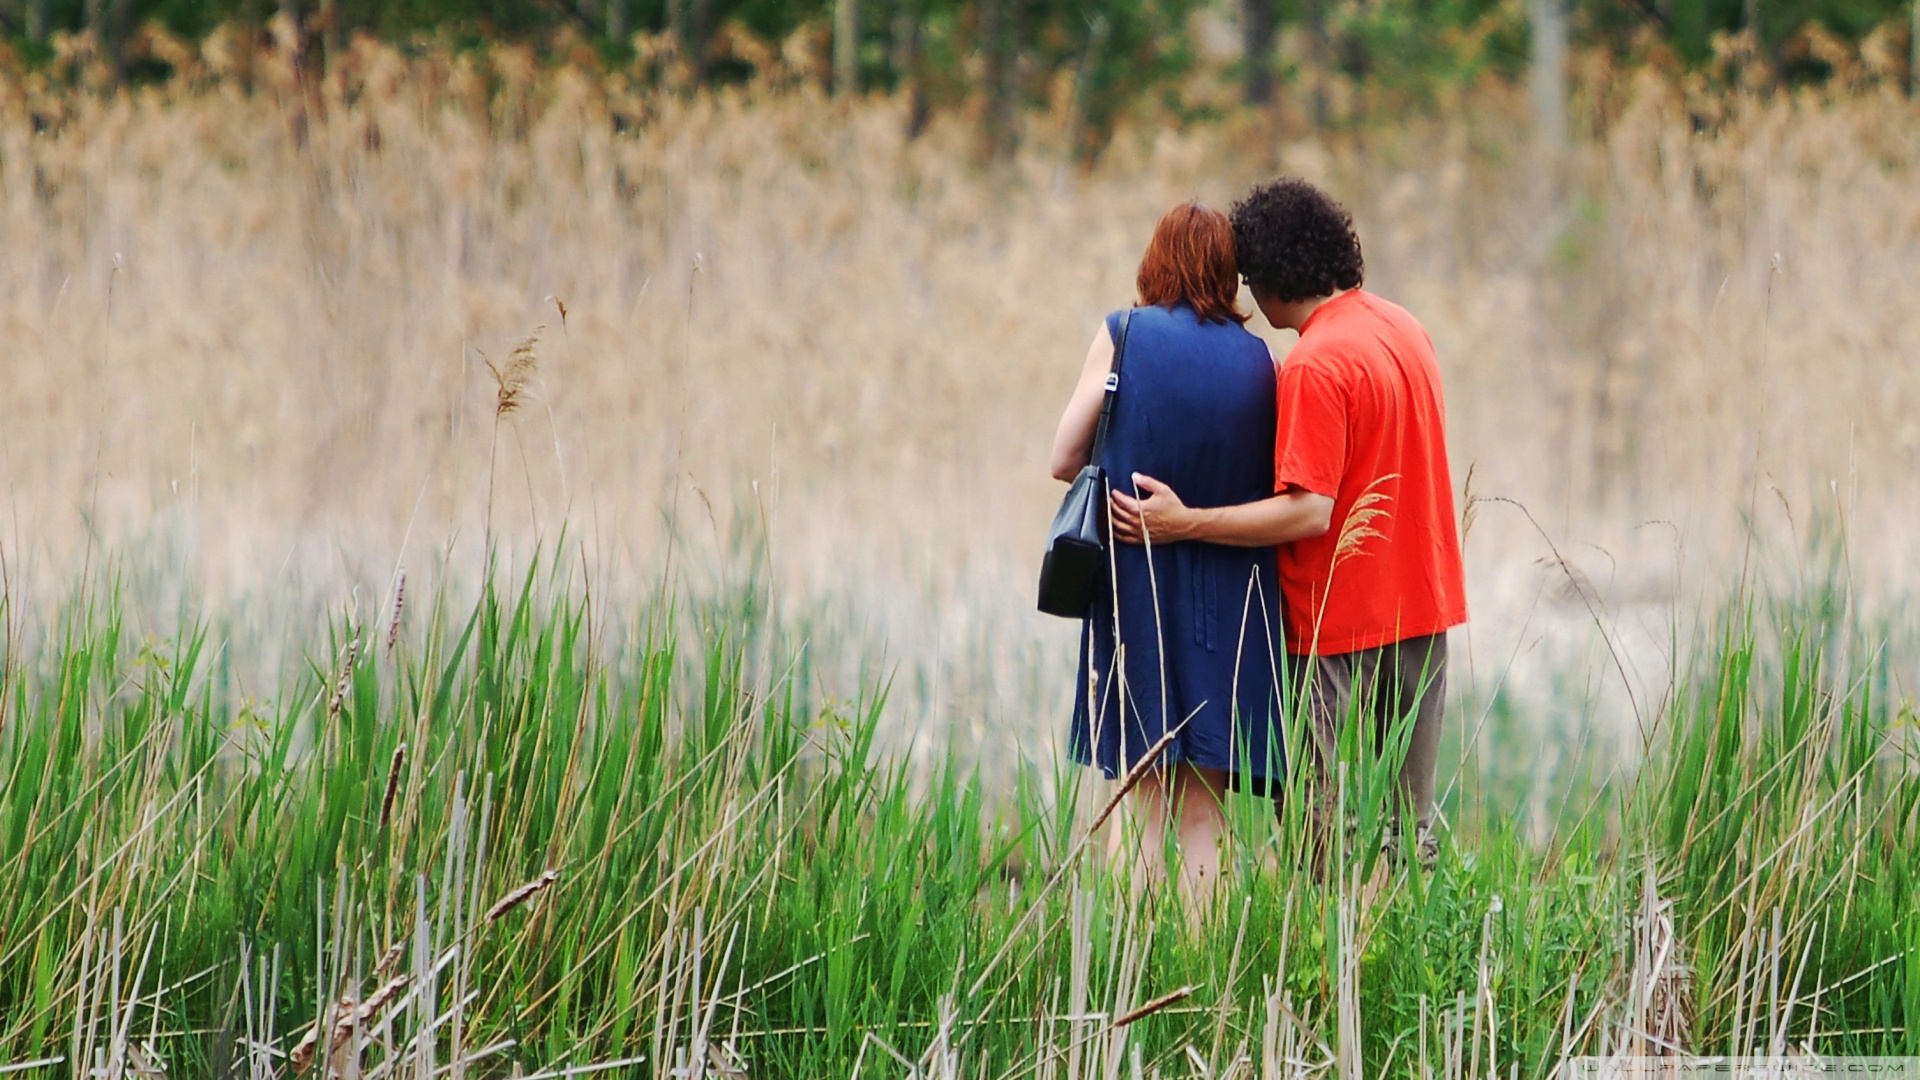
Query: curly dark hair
x,y
1293,242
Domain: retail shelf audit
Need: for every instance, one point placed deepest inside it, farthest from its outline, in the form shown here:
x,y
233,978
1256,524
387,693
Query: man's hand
x,y
1294,514
1160,517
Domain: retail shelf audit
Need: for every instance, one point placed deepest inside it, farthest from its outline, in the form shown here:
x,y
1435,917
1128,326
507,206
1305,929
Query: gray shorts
x,y
1387,688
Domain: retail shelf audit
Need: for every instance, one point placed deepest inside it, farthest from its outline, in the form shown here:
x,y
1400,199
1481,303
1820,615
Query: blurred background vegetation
x,y
1332,61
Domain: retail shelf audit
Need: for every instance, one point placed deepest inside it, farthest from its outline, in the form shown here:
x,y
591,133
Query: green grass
x,y
193,873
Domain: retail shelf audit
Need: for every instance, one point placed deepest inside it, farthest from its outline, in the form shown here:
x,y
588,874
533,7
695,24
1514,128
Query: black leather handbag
x,y
1075,566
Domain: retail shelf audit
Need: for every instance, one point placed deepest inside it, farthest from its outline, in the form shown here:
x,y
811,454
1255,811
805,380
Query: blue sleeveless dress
x,y
1196,635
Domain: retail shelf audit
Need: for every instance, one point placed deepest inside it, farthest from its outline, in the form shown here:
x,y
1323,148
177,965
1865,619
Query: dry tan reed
x,y
764,288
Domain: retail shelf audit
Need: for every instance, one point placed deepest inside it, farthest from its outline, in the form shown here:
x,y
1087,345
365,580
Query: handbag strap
x,y
1113,387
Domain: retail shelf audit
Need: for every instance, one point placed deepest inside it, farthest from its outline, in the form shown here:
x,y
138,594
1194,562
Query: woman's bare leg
x,y
1195,807
1137,835
1199,800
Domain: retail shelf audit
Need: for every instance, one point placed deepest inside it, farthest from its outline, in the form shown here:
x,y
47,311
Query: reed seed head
x,y
390,959
344,681
522,895
1164,1001
1133,778
1358,528
399,607
393,789
511,378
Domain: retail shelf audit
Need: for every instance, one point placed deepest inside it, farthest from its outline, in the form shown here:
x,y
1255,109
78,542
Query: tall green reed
x,y
698,855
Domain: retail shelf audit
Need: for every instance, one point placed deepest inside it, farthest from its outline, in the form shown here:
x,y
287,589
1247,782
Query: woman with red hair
x,y
1186,637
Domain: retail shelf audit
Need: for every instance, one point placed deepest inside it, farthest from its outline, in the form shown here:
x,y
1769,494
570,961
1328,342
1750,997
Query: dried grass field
x,y
782,384
255,329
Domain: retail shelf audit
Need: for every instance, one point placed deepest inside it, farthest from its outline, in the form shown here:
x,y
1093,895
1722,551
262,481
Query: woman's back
x,y
1194,626
1194,399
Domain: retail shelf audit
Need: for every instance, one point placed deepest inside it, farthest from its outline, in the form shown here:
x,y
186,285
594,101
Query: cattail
x,y
348,1015
1133,778
389,958
399,606
301,1056
345,681
393,787
522,895
387,992
1154,1006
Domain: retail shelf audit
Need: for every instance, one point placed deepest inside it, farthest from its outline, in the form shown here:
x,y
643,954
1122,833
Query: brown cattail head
x,y
1154,1006
1134,776
301,1057
399,606
390,958
387,992
345,1018
522,895
344,682
393,787
337,1017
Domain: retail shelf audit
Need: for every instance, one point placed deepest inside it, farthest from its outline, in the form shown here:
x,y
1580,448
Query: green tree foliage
x,y
1005,55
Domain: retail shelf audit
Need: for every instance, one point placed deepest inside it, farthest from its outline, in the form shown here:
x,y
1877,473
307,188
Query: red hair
x,y
1190,261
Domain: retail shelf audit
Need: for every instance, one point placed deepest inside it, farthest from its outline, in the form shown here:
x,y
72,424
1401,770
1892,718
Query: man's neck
x,y
1294,315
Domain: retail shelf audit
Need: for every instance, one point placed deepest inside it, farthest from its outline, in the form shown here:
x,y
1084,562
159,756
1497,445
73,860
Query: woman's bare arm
x,y
1073,441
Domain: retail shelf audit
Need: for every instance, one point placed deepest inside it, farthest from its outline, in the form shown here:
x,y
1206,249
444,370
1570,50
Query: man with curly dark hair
x,y
1362,516
1293,244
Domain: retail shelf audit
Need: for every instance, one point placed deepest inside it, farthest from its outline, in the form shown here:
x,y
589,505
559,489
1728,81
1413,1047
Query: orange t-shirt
x,y
1361,420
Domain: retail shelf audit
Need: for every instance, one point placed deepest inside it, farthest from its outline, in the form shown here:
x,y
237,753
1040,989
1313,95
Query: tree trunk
x,y
119,29
702,29
846,47
37,21
250,38
687,21
1083,81
903,39
1319,57
1763,53
1549,74
999,76
106,21
617,21
332,33
1256,36
676,16
906,65
290,9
